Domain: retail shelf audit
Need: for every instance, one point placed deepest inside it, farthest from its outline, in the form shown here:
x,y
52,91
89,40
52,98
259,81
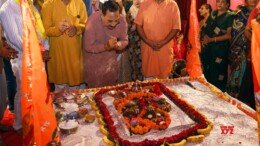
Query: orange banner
x,y
255,52
193,59
255,55
38,118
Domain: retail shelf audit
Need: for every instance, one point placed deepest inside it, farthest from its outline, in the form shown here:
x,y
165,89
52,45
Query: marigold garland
x,y
188,109
144,125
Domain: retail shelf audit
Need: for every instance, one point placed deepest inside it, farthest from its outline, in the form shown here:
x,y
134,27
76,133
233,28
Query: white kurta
x,y
11,20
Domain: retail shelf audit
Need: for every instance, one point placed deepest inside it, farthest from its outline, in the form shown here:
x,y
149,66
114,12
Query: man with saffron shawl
x,y
158,21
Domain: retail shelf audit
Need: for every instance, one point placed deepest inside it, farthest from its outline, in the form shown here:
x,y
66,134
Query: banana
x,y
103,130
108,142
90,100
181,143
205,130
197,138
92,103
98,114
94,107
211,124
101,122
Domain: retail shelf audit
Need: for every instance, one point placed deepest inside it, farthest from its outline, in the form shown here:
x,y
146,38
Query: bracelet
x,y
215,39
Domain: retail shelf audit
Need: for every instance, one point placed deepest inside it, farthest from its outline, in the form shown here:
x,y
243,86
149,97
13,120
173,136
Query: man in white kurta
x,y
11,19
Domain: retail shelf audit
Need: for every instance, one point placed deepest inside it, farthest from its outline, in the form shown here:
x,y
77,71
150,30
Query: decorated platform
x,y
184,111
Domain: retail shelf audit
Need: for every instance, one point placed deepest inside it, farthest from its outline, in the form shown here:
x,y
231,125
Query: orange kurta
x,y
157,21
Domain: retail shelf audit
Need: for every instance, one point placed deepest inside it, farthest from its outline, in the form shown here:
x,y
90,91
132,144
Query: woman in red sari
x,y
179,47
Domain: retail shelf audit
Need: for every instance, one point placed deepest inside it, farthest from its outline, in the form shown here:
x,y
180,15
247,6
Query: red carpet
x,y
10,138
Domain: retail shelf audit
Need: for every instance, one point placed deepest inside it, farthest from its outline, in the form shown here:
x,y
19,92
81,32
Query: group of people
x,y
225,54
102,59
88,49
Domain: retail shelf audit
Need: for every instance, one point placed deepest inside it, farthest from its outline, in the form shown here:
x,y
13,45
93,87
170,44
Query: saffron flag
x,y
193,59
255,51
38,118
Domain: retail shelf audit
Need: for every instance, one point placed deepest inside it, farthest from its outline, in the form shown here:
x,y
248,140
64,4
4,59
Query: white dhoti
x,y
3,95
17,69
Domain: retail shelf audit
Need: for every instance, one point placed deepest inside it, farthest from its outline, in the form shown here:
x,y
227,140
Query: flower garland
x,y
188,109
120,103
228,99
140,125
159,126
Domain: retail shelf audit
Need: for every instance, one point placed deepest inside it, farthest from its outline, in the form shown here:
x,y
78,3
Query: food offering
x,y
73,110
68,126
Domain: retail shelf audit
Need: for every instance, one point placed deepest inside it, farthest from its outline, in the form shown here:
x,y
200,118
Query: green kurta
x,y
214,55
65,65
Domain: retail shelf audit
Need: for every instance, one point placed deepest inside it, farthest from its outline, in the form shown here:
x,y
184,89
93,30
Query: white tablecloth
x,y
220,112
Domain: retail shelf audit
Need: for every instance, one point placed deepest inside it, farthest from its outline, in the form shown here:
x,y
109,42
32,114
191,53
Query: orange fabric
x,y
255,53
8,118
193,59
10,138
255,50
157,21
38,117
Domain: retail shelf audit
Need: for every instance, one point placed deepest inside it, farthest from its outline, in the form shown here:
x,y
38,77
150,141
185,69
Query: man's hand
x,y
159,45
72,31
156,46
111,44
8,52
63,26
45,55
150,43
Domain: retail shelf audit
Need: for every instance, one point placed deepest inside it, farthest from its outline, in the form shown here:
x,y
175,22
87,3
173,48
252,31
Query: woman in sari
x,y
205,11
215,38
246,93
239,48
134,43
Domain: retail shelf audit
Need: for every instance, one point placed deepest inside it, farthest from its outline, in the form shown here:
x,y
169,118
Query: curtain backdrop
x,y
184,6
234,3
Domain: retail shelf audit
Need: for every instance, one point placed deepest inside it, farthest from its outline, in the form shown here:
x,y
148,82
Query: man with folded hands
x,y
105,36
